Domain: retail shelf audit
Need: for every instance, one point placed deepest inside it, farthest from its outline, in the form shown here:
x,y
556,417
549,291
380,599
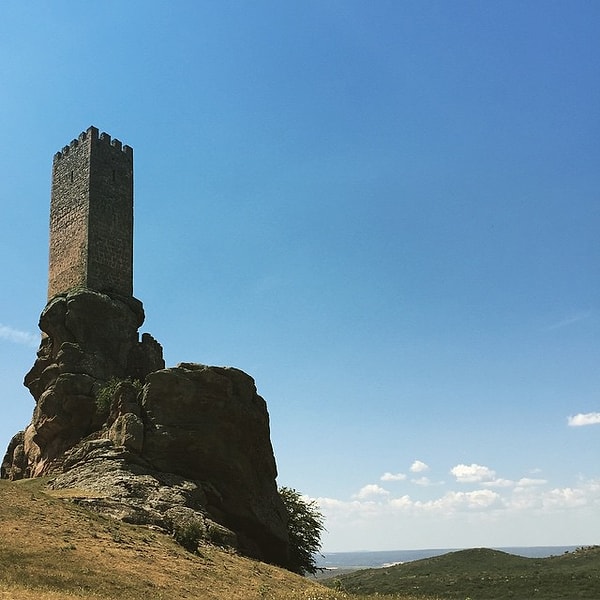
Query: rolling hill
x,y
483,574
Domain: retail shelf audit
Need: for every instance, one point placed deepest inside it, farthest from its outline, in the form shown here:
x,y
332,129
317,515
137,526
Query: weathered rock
x,y
14,463
119,484
127,431
209,424
87,339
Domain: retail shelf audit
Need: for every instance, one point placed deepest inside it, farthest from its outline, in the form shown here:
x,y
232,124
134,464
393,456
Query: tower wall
x,y
91,216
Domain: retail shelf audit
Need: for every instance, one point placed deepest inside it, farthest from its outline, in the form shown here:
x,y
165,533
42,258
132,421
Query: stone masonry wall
x,y
110,243
69,208
91,216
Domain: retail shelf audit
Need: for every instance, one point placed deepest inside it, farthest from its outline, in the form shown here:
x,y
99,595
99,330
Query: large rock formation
x,y
209,424
167,447
87,339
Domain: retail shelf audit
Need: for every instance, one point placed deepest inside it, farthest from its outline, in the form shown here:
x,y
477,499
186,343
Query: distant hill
x,y
483,574
51,549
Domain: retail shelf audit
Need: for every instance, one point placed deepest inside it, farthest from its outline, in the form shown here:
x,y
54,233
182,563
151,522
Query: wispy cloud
x,y
458,501
18,337
387,476
582,419
498,483
529,482
571,319
424,481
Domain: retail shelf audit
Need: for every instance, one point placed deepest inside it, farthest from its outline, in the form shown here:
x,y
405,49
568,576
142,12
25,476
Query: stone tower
x,y
91,216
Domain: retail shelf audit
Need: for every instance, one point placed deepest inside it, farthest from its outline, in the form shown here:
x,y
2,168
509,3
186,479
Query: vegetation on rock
x,y
106,393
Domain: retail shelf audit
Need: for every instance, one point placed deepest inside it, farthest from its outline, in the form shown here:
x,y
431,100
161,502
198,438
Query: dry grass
x,y
51,549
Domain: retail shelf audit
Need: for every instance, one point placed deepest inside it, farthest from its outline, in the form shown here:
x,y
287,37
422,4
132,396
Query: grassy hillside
x,y
482,574
51,549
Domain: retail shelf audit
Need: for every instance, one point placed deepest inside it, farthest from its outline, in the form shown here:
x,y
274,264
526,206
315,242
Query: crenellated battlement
x,y
92,135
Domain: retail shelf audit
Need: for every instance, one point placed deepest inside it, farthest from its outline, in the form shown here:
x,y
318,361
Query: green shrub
x,y
106,393
188,535
305,525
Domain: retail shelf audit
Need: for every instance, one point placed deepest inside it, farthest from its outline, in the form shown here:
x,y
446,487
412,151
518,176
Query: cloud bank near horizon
x,y
522,498
487,499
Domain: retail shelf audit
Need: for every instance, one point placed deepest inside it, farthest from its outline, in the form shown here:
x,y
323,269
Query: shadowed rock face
x,y
209,424
192,446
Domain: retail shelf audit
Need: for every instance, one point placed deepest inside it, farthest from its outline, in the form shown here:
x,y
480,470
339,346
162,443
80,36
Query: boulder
x,y
14,463
127,431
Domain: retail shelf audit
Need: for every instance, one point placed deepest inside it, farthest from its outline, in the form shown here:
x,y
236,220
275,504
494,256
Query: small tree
x,y
305,526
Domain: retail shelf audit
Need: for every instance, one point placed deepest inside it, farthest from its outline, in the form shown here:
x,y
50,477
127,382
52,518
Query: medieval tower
x,y
91,216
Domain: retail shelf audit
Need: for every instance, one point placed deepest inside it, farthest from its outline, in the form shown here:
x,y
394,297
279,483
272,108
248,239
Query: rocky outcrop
x,y
195,438
209,424
186,448
109,479
87,339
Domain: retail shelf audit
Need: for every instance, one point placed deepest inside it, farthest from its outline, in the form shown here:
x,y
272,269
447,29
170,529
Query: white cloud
x,y
565,498
343,510
387,476
528,498
18,337
506,483
361,509
472,473
512,512
582,419
498,483
529,482
587,493
418,467
455,501
424,481
404,502
370,490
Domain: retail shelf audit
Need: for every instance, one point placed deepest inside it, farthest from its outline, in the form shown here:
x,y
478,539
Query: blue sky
x,y
386,212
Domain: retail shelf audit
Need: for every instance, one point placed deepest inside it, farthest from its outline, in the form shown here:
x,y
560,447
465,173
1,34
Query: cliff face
x,y
167,447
